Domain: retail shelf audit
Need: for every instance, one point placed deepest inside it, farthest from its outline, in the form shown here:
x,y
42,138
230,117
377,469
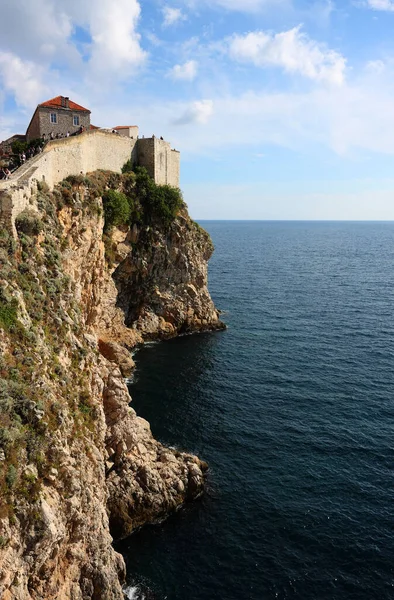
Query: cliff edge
x,y
97,268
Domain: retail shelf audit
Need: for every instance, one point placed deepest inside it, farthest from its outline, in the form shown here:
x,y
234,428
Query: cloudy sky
x,y
282,109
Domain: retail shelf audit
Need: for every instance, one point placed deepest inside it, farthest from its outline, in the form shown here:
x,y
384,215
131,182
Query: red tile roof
x,y
124,126
57,103
94,127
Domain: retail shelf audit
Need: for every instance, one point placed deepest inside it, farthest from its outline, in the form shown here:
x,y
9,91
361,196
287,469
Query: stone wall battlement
x,y
84,153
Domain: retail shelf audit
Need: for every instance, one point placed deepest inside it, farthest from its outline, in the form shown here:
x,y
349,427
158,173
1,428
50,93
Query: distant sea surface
x,y
293,409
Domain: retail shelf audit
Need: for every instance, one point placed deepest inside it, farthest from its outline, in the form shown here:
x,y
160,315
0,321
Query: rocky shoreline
x,y
88,469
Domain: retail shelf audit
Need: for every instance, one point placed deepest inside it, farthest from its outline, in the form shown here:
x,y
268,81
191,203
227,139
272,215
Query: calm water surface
x,y
293,408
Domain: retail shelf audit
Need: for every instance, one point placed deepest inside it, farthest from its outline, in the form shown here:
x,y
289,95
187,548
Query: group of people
x,y
19,158
53,136
58,136
30,152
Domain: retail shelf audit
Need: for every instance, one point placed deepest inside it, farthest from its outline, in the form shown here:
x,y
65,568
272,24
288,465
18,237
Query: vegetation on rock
x,y
39,318
28,222
117,209
69,442
160,204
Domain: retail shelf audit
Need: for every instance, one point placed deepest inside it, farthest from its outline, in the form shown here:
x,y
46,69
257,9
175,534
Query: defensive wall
x,y
84,153
161,162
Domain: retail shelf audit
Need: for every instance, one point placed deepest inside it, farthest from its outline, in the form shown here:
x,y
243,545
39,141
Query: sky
x,y
281,109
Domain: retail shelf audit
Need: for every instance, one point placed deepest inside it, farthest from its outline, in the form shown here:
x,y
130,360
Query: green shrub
x,y
160,203
11,476
28,222
116,209
128,167
8,314
42,186
128,183
78,179
19,147
7,242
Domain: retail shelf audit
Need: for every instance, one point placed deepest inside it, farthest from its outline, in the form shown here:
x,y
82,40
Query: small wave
x,y
133,592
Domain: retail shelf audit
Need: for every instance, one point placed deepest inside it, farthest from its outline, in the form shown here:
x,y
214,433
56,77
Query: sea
x,y
293,408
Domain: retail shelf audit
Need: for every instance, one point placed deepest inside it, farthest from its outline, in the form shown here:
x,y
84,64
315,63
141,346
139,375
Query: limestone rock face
x,y
92,471
162,282
58,540
145,480
117,354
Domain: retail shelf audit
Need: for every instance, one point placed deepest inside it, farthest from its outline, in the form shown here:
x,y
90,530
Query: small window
x,y
53,118
76,121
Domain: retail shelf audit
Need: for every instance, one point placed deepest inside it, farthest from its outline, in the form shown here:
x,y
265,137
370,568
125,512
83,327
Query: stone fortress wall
x,y
84,153
161,162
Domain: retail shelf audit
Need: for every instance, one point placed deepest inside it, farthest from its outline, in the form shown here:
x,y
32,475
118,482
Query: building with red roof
x,y
57,117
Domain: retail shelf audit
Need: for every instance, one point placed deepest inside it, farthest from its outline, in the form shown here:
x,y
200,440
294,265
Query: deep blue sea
x,y
293,409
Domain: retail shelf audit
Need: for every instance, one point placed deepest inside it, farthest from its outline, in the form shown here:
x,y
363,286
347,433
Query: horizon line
x,y
300,220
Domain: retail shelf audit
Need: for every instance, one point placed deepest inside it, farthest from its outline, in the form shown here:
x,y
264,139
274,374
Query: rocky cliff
x,y
78,467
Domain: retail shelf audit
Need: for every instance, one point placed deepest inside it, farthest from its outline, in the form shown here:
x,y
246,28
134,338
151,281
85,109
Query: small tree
x,y
116,209
160,203
28,222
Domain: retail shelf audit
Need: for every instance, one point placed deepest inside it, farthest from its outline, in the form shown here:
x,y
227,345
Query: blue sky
x,y
282,109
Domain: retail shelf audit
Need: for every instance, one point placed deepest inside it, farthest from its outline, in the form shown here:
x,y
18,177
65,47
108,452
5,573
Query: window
x,y
53,118
76,121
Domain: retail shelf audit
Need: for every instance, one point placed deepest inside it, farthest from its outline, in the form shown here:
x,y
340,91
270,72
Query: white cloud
x,y
35,30
352,119
23,79
375,66
42,32
293,51
185,72
385,5
198,112
116,45
172,16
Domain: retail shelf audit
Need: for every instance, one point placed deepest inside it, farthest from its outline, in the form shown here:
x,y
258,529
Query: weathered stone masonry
x,y
83,154
162,163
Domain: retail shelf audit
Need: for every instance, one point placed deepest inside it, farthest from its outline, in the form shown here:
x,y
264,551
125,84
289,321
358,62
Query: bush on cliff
x,y
8,314
160,203
116,209
28,222
128,167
